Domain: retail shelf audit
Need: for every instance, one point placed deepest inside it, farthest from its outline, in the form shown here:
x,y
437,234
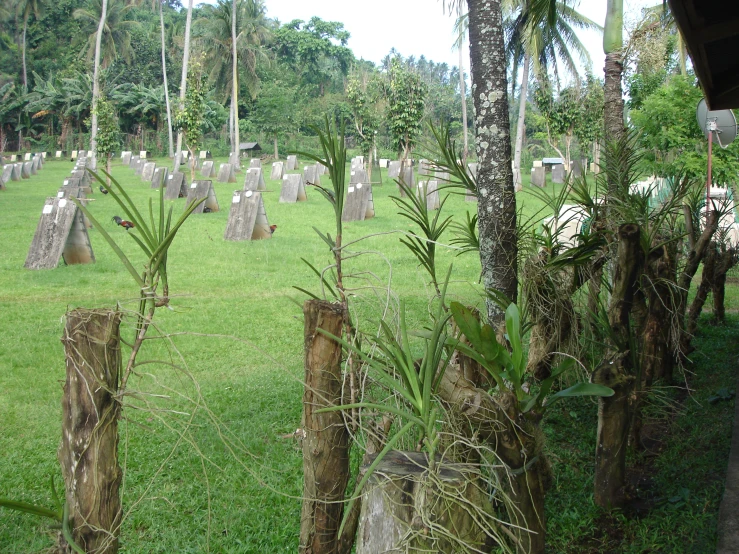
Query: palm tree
x,y
96,81
216,32
235,80
548,44
25,8
166,85
460,29
613,113
115,33
183,81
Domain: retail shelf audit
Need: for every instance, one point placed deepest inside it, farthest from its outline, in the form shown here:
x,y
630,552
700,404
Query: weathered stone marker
x,y
17,173
176,186
247,219
235,161
226,174
359,204
558,174
125,158
202,189
147,173
254,180
160,177
207,170
358,175
310,175
538,177
292,163
293,189
278,170
26,170
255,162
393,170
429,191
576,170
142,154
60,233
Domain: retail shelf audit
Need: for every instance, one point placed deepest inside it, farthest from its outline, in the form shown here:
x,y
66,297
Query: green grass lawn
x,y
240,337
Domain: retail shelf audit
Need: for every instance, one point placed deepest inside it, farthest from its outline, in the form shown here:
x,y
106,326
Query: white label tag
x,y
194,186
66,182
236,199
353,172
60,195
351,189
359,186
249,193
170,176
48,208
62,202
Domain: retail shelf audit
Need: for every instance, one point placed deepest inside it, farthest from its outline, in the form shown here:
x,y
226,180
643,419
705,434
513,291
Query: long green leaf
x,y
580,389
30,509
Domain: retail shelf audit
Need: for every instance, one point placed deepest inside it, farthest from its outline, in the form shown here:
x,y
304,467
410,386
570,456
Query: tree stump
x,y
89,450
407,508
326,440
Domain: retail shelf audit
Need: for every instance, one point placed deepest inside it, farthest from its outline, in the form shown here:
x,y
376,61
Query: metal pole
x,y
711,126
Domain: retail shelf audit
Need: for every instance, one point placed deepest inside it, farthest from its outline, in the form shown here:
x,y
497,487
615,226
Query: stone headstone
x,y
359,204
254,179
125,158
429,190
17,173
322,169
133,162
147,173
384,162
424,168
558,174
293,189
226,174
408,176
310,175
142,154
26,171
393,170
207,170
358,175
74,155
27,157
176,186
58,155
247,219
160,177
139,167
204,154
7,173
13,158
34,165
202,189
538,163
255,162
538,176
278,170
43,155
292,163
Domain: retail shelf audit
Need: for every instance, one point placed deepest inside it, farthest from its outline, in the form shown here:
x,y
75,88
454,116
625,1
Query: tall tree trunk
x,y
235,79
617,372
463,94
326,438
520,127
96,86
166,85
496,207
185,63
613,114
23,54
277,154
89,450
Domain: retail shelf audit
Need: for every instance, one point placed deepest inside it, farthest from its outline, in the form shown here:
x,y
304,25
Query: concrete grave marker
x,y
207,170
384,162
7,173
202,189
142,154
27,157
393,170
254,179
60,233
429,190
203,154
538,177
17,173
34,165
176,186
147,173
26,171
375,173
310,175
538,163
322,169
13,158
247,219
576,169
226,174
160,177
58,155
558,174
43,155
139,167
132,163
424,168
126,157
74,155
293,189
292,163
278,170
358,175
359,204
255,162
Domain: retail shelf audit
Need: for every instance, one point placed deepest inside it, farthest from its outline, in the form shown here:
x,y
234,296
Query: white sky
x,y
417,27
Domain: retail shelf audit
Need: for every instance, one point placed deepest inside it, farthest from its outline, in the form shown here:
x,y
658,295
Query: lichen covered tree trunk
x,y
496,207
326,440
89,450
617,372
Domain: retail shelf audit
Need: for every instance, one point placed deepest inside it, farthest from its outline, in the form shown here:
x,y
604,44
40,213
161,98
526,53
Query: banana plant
x,y
508,367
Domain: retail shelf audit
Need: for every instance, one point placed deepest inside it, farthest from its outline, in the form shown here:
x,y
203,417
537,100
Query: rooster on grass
x,y
272,229
103,190
122,223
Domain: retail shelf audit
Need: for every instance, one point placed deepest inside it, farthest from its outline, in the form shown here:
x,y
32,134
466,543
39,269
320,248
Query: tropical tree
x,y
541,45
460,28
166,85
185,63
406,103
613,43
96,81
25,9
114,33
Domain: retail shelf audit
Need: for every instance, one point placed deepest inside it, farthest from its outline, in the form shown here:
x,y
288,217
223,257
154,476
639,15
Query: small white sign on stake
x,y
48,208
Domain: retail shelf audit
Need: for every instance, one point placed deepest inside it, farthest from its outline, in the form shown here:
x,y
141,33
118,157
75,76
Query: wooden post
x,y
326,440
89,450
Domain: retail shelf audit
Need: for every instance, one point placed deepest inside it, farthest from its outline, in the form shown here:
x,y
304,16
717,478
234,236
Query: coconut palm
x,y
24,9
216,32
545,45
115,39
185,63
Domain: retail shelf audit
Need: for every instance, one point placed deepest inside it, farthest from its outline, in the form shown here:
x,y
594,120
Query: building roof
x,y
249,146
710,29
